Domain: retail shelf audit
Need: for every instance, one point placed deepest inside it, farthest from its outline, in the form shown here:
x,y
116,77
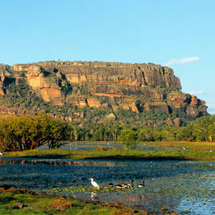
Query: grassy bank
x,y
19,201
192,152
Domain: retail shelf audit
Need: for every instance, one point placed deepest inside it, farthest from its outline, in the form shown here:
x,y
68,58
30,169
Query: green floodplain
x,y
16,201
194,151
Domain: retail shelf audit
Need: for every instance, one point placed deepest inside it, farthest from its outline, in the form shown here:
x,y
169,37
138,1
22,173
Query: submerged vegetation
x,y
19,202
180,186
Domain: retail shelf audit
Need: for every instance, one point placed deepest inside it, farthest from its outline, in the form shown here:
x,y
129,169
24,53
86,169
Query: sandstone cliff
x,y
105,86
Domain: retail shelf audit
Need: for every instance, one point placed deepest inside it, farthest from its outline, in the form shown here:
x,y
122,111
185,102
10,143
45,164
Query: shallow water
x,y
179,186
107,145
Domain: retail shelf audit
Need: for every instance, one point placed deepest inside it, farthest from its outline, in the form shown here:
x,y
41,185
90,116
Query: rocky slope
x,y
105,86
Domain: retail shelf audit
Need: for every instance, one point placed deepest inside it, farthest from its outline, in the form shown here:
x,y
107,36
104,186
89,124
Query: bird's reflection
x,y
94,196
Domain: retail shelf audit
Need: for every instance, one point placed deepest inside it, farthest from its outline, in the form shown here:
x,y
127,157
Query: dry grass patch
x,y
59,205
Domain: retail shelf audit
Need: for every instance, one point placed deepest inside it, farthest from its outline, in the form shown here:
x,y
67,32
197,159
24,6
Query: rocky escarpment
x,y
101,85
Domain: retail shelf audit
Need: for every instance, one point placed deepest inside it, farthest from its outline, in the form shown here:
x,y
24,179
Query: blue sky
x,y
179,33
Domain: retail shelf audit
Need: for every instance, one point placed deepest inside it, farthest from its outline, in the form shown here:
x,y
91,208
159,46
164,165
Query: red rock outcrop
x,y
135,87
169,122
46,84
94,103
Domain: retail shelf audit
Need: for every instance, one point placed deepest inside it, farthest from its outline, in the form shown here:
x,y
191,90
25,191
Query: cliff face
x,y
102,85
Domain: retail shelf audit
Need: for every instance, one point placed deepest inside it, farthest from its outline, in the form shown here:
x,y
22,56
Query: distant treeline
x,y
202,129
31,131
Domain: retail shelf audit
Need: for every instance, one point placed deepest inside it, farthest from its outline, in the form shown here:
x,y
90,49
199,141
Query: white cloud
x,y
183,60
197,93
211,105
211,108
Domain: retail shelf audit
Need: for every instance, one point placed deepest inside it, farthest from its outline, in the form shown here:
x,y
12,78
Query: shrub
x,y
128,138
31,131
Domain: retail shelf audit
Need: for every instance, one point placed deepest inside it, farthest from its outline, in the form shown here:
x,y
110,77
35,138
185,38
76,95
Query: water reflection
x,y
54,162
94,197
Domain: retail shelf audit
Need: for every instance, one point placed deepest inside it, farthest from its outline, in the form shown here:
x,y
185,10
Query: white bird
x,y
94,183
1,154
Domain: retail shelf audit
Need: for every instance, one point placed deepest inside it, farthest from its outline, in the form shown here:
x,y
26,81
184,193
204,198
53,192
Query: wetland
x,y
181,185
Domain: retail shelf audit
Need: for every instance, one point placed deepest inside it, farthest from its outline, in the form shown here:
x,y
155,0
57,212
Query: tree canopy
x,y
128,138
28,131
31,131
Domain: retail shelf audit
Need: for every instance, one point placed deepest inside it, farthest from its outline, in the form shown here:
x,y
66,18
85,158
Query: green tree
x,y
204,128
98,134
128,138
115,131
169,133
185,133
145,133
29,132
7,137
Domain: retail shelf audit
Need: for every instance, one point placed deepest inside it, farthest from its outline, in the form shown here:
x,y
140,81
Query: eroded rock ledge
x,y
104,85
